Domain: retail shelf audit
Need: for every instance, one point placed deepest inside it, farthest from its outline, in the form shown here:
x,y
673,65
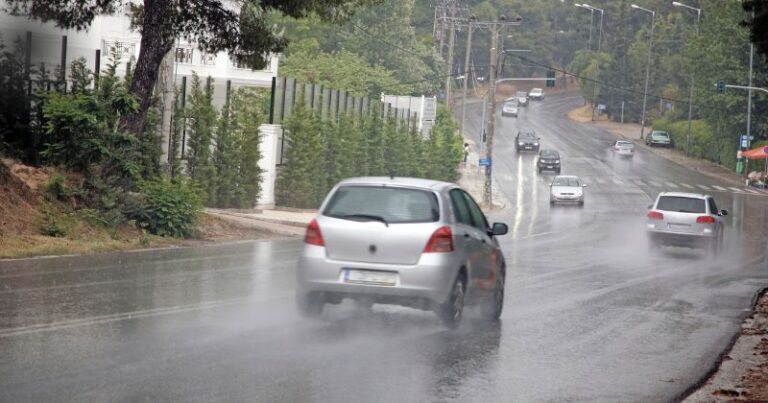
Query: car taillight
x,y
441,241
705,219
655,215
313,235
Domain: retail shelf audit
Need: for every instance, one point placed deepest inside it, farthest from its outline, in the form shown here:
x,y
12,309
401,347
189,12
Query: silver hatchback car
x,y
404,241
687,220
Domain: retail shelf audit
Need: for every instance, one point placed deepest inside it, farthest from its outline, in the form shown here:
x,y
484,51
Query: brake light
x,y
441,241
705,219
313,235
655,215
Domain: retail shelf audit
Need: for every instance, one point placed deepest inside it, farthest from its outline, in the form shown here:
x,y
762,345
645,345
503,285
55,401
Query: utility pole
x,y
449,63
491,113
647,67
749,102
466,73
690,97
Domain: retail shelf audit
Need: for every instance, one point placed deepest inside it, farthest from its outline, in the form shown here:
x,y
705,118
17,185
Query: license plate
x,y
550,166
372,277
529,148
679,227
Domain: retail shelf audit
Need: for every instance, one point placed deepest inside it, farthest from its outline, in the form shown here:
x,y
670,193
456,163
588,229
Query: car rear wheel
x,y
452,310
492,310
310,304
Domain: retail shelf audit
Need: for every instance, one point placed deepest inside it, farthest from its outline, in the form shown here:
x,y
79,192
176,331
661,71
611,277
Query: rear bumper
x,y
429,281
567,199
528,148
691,240
509,114
659,144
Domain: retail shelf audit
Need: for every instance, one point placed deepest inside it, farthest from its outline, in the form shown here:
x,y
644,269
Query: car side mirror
x,y
723,212
551,184
499,229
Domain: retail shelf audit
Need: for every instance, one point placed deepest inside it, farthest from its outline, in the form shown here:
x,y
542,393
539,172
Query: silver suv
x,y
686,219
412,242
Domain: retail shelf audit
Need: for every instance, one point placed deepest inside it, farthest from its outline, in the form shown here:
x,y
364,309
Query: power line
x,y
376,37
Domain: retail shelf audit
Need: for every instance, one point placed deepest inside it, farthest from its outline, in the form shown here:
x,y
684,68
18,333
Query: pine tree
x,y
247,117
177,125
301,181
225,160
202,118
373,136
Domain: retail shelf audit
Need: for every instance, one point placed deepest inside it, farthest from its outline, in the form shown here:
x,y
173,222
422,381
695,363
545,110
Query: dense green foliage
x,y
168,208
320,153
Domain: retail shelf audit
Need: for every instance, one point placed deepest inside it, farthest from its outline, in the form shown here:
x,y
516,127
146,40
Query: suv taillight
x,y
441,241
655,215
313,235
705,219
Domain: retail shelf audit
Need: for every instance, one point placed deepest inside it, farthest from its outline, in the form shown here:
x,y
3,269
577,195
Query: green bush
x,y
168,208
57,187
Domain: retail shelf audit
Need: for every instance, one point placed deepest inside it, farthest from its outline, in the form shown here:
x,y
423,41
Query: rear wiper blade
x,y
368,216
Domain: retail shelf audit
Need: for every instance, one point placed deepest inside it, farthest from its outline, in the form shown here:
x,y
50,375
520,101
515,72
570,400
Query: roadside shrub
x,y
57,187
52,227
167,208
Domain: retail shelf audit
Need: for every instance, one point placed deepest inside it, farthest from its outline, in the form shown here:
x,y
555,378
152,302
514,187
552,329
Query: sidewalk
x,y
473,181
289,223
631,132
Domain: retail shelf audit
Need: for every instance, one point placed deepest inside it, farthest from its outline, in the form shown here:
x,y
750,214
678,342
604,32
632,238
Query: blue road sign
x,y
485,162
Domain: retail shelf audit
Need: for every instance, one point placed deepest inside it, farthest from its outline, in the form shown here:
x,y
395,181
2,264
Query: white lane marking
x,y
617,181
718,187
685,185
600,181
752,191
703,187
638,182
95,320
736,190
670,184
657,184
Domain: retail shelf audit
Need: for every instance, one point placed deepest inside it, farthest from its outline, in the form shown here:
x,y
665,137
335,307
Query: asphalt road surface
x,y
589,315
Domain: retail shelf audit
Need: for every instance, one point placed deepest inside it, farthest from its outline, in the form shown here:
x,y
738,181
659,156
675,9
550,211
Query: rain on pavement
x,y
589,315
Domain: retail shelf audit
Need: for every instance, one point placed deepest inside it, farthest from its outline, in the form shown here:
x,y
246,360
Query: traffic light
x,y
550,78
720,87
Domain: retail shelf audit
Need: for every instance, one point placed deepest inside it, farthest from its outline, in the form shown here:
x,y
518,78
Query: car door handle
x,y
466,235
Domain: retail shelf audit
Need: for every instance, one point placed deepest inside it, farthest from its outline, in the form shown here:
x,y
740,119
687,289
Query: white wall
x,y
270,135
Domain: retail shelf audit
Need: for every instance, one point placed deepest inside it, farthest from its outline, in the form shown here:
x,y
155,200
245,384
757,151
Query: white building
x,y
108,33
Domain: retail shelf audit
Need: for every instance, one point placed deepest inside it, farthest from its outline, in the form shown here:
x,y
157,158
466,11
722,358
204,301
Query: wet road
x,y
589,316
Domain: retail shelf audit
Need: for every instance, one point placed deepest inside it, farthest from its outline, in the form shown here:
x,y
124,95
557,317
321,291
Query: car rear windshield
x,y
624,144
392,204
681,204
526,136
510,104
522,94
662,135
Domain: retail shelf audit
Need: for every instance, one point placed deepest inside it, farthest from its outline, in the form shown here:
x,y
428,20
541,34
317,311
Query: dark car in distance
x,y
549,160
526,141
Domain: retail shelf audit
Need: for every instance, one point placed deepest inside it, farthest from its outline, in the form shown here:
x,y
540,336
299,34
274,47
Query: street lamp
x,y
690,98
591,20
597,59
647,67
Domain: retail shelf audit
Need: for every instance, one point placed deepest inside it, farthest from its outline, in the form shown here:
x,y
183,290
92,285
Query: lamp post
x,y
466,72
647,67
690,98
597,59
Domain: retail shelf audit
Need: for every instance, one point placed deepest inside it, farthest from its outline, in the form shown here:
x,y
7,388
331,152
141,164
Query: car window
x,y
560,181
712,206
460,208
681,204
478,218
509,104
522,94
395,205
526,135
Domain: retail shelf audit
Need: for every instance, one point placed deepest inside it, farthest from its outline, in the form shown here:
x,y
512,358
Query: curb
x,y
716,365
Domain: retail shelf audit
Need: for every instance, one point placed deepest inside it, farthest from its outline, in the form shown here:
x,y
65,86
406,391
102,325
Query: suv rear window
x,y
521,94
549,154
526,135
395,205
662,135
681,204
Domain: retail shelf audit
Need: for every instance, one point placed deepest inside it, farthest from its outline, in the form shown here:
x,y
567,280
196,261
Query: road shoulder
x,y
742,373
